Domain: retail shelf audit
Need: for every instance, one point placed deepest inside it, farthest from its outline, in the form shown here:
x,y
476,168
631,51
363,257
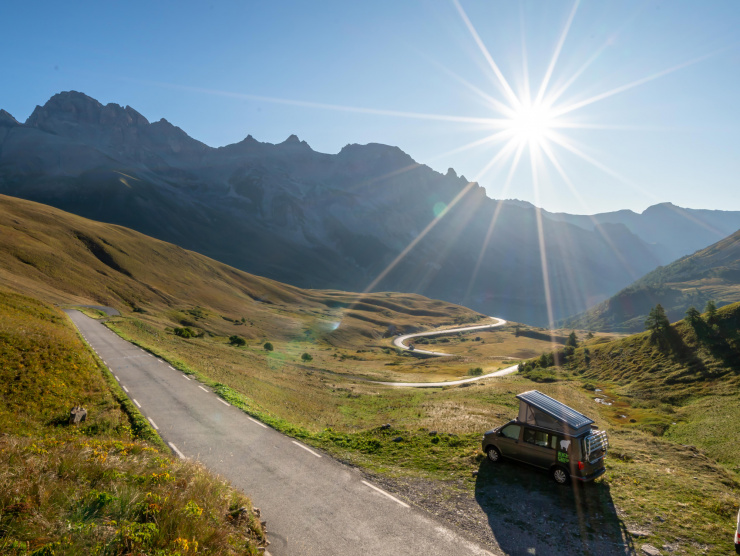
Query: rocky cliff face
x,y
367,217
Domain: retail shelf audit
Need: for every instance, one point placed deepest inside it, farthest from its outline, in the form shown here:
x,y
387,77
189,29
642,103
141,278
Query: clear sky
x,y
650,112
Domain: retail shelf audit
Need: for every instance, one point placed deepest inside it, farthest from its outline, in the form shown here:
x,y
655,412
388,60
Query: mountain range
x,y
368,218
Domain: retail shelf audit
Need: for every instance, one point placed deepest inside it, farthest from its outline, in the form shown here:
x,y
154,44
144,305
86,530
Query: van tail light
x,y
737,537
580,466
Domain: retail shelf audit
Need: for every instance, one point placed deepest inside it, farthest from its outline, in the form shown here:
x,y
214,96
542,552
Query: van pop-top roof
x,y
536,408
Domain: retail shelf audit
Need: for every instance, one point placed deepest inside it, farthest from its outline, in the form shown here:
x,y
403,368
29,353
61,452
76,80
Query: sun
x,y
532,123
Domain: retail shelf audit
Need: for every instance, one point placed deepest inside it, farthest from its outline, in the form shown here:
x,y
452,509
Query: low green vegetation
x,y
99,487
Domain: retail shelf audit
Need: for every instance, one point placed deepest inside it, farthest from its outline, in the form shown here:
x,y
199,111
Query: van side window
x,y
529,436
511,431
561,443
538,438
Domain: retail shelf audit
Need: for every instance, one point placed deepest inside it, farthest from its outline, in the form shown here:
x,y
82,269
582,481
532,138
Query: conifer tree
x,y
711,311
657,321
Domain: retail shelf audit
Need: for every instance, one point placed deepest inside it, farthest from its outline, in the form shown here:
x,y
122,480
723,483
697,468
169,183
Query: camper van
x,y
550,435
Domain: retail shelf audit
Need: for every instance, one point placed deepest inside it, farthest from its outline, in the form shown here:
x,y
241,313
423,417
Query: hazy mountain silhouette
x,y
671,231
709,274
317,220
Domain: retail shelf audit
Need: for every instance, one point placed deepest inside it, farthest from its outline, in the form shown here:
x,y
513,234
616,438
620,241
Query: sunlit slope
x,y
681,383
710,274
59,257
686,361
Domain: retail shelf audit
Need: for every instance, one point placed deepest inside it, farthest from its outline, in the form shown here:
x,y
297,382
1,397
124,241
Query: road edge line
x,y
384,493
178,452
309,450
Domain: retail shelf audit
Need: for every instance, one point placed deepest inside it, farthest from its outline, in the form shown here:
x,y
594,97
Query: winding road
x,y
313,504
400,343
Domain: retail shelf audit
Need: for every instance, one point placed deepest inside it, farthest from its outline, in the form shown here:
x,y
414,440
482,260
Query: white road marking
x,y
185,377
104,363
384,493
153,423
125,388
257,422
223,402
199,386
118,379
171,367
137,403
150,355
174,449
159,360
306,448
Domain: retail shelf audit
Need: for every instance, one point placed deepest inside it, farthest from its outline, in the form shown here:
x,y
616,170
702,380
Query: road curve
x,y
399,342
313,504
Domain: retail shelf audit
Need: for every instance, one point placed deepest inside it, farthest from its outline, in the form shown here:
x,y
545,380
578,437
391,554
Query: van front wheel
x,y
560,475
494,456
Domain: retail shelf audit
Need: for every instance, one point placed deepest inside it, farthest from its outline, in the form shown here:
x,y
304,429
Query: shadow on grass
x,y
529,513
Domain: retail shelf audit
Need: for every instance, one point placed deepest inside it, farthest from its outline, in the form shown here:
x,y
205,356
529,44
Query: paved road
x,y
313,505
400,342
501,372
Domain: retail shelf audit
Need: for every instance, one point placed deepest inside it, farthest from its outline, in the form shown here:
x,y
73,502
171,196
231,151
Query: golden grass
x,y
62,258
93,488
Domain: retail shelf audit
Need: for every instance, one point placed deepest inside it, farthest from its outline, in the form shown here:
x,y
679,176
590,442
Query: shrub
x,y
268,346
307,357
237,340
476,371
186,332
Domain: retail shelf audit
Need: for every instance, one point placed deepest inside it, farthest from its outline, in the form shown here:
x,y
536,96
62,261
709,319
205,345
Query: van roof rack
x,y
536,408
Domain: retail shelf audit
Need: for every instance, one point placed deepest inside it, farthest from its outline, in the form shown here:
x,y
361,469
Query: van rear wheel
x,y
560,475
494,456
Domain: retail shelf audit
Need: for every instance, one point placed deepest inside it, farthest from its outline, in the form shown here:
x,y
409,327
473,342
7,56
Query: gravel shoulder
x,y
517,510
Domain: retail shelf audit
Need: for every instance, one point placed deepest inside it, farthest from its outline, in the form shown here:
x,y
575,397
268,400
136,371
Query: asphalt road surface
x,y
400,342
313,504
500,372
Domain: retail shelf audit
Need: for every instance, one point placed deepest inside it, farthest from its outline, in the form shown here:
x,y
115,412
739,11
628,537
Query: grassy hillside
x,y
710,274
63,258
96,487
682,383
429,454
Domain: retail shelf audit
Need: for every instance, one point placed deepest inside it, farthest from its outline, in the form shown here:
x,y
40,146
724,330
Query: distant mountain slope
x,y
368,217
671,231
712,273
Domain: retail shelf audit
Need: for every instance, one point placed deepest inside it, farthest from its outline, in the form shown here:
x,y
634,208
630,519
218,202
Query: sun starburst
x,y
532,123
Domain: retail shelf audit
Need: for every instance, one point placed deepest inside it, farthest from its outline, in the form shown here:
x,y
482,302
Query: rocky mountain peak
x,y
7,120
294,142
72,108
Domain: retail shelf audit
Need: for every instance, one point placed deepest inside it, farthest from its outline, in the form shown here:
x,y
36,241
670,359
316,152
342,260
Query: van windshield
x,y
511,431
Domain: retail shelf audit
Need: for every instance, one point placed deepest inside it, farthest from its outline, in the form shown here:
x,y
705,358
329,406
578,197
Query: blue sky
x,y
389,69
